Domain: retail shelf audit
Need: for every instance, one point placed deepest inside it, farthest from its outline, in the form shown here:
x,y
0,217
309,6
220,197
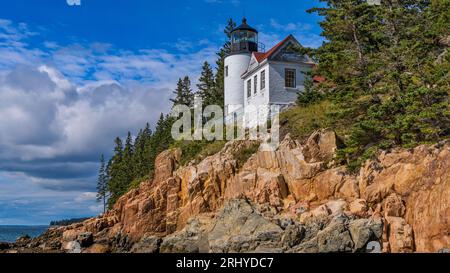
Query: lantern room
x,y
244,39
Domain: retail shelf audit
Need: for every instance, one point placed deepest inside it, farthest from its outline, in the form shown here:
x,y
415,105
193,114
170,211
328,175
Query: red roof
x,y
318,79
260,57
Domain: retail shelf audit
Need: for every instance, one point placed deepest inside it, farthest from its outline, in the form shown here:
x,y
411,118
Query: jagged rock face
x,y
296,200
414,184
241,226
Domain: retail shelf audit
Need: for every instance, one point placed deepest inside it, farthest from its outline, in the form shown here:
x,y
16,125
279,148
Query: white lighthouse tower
x,y
244,41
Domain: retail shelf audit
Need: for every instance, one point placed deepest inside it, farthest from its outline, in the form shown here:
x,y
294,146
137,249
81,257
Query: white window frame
x,y
263,80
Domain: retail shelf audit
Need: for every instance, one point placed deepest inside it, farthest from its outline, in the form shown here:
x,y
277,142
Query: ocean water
x,y
11,233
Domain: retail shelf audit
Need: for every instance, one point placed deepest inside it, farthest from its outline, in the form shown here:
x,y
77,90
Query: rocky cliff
x,y
294,199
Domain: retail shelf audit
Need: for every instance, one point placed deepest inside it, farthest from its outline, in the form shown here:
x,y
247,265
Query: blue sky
x,y
74,77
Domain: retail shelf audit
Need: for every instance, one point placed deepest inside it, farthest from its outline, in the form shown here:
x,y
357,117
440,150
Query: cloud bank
x,y
61,106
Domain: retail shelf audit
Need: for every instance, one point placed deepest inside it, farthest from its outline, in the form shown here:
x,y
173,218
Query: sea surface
x,y
11,233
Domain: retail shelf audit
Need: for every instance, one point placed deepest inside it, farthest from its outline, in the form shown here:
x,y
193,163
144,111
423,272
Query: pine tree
x,y
149,154
220,66
206,85
117,173
183,93
102,184
352,29
138,154
128,153
387,72
155,143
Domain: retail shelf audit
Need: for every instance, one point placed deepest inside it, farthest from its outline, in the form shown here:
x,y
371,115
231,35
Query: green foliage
x,y
137,181
102,183
310,95
387,74
117,173
303,120
67,222
198,150
134,163
207,86
183,93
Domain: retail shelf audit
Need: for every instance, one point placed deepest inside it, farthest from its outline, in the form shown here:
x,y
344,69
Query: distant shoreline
x,y
10,233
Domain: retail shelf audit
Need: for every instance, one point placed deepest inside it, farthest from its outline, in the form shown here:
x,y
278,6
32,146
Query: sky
x,y
73,77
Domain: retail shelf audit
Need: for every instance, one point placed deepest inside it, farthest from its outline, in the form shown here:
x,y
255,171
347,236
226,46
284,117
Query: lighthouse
x,y
244,42
256,80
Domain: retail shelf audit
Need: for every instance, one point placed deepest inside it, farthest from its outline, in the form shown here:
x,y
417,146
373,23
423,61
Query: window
x,y
289,78
226,71
255,82
249,88
263,80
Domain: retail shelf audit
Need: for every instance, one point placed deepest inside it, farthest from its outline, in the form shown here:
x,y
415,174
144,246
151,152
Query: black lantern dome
x,y
244,39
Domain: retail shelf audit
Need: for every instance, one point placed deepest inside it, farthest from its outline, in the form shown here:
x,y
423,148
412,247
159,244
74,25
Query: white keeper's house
x,y
254,77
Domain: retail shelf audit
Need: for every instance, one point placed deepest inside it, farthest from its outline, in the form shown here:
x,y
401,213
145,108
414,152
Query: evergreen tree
x,y
117,172
352,29
128,157
102,184
149,152
220,66
183,93
138,155
387,72
206,85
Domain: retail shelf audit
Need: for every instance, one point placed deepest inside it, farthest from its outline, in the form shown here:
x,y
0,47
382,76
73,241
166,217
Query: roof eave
x,y
249,72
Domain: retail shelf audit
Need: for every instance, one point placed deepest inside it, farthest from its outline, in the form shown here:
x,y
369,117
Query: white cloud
x,y
86,196
62,105
289,27
274,32
96,209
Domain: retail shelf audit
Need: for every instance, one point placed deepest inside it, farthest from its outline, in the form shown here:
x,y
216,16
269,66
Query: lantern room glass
x,y
244,36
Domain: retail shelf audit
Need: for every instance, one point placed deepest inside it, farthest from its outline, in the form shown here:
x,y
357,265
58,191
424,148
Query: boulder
x,y
364,231
98,249
240,227
393,206
400,235
358,207
336,207
292,236
86,239
335,237
321,146
70,235
72,247
4,246
148,245
23,240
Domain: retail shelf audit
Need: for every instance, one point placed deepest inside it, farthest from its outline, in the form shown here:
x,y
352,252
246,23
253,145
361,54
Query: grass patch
x,y
301,121
197,150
